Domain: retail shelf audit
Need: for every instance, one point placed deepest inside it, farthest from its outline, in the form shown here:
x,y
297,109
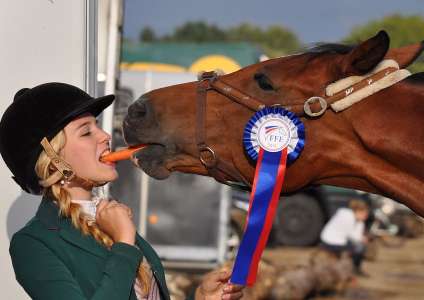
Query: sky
x,y
313,21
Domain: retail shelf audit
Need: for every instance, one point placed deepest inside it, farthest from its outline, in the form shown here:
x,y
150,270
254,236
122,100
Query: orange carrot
x,y
121,154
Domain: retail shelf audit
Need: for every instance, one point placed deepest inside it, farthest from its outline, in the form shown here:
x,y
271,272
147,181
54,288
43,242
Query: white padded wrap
x,y
373,88
344,83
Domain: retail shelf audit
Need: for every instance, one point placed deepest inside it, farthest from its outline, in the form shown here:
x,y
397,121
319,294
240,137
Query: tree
x,y
403,30
147,35
198,31
281,39
247,33
275,40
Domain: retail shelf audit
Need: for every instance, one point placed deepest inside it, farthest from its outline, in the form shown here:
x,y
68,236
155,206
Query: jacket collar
x,y
48,214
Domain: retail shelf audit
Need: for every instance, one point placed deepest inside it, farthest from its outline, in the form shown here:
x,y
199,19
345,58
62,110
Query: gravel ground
x,y
397,273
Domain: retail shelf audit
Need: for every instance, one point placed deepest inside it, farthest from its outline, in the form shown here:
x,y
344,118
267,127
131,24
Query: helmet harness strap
x,y
64,170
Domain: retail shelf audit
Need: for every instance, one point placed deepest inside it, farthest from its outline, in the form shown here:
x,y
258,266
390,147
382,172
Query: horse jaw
x,y
158,162
151,160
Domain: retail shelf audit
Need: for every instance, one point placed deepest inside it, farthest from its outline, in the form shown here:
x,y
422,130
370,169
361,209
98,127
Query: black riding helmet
x,y
39,112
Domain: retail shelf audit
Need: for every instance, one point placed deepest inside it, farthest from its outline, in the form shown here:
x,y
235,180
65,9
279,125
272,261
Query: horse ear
x,y
364,57
405,56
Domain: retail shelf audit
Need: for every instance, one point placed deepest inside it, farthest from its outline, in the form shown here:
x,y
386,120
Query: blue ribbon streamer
x,y
265,186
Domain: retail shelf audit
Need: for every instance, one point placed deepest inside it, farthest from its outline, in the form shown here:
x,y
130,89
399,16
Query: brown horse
x,y
376,145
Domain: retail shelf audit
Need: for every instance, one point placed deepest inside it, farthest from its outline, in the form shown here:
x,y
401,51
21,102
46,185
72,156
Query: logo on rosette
x,y
273,129
273,135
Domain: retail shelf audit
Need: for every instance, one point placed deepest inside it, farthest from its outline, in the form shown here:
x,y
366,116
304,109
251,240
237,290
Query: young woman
x,y
76,248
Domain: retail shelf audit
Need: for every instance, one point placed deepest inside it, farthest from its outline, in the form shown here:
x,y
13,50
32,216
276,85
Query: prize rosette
x,y
274,137
273,129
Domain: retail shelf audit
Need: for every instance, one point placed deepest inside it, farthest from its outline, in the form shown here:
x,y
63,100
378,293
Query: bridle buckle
x,y
307,106
207,156
210,76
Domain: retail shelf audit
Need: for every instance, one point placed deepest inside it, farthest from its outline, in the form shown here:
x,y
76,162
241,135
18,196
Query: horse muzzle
x,y
141,127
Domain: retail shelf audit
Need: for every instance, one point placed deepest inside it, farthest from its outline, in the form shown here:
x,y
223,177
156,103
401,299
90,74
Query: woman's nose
x,y
105,137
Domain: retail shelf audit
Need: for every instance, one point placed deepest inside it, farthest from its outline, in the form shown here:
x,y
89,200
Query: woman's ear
x,y
364,57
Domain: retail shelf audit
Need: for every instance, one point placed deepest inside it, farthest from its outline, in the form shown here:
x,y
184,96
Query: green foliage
x,y
275,40
198,32
246,32
403,30
147,35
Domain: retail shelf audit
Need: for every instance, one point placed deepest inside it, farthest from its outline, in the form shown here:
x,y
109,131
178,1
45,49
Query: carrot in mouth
x,y
121,154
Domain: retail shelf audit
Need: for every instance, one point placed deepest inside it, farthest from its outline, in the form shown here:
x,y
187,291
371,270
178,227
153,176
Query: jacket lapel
x,y
88,243
48,213
155,264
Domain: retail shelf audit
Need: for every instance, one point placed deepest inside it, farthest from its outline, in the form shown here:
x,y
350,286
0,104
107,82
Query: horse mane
x,y
319,49
331,48
334,48
416,79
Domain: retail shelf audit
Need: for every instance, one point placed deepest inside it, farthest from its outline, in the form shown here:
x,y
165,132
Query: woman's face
x,y
361,215
85,143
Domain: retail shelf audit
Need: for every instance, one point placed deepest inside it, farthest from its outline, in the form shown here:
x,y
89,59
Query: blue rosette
x,y
275,119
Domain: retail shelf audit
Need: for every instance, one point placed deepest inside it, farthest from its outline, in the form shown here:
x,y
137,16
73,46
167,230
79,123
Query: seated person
x,y
345,232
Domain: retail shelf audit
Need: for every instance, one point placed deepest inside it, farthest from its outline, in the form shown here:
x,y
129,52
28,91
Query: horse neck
x,y
413,84
407,95
411,89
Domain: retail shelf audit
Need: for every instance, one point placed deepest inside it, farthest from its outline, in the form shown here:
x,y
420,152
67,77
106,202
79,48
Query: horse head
x,y
166,118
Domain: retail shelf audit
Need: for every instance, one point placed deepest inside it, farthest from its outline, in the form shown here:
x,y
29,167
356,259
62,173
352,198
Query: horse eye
x,y
263,82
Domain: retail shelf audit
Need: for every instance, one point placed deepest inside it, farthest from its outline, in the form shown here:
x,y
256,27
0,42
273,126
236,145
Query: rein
x,y
337,98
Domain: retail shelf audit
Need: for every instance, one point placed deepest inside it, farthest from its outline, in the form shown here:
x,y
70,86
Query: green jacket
x,y
53,260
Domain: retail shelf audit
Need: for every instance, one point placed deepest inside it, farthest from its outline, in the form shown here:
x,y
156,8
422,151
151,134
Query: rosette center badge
x,y
273,135
273,129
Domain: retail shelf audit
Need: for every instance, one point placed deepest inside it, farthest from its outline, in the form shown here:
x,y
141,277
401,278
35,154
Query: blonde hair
x,y
44,168
358,205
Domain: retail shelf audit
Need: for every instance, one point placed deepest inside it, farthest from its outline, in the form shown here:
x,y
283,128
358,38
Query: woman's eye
x,y
263,82
86,133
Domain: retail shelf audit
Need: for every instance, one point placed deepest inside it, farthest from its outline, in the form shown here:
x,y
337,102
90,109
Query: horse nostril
x,y
137,110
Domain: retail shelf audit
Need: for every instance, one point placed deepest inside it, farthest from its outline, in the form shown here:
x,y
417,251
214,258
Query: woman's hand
x,y
115,219
215,286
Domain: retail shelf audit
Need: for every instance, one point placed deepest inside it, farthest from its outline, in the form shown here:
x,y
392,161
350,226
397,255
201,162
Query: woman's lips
x,y
104,153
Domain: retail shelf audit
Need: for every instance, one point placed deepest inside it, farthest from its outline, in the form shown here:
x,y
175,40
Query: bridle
x,y
211,81
207,156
